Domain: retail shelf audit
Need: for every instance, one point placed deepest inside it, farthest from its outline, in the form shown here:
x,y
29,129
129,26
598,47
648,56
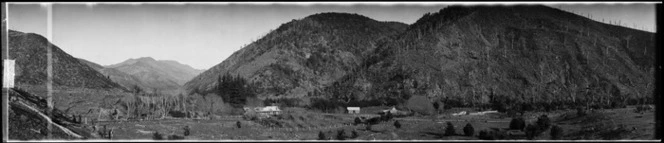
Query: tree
x,y
157,136
449,130
543,122
321,135
137,89
556,132
186,130
341,134
517,123
468,130
397,124
531,131
355,134
238,124
357,121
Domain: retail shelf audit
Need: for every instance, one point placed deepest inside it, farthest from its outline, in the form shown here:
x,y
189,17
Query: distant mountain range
x,y
148,73
461,55
29,50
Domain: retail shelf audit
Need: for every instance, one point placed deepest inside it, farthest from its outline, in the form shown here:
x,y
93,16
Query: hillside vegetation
x,y
301,56
507,57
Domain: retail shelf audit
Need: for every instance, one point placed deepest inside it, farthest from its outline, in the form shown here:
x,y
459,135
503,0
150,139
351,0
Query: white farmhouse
x,y
353,110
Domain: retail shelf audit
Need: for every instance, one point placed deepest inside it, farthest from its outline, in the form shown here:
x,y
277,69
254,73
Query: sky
x,y
203,34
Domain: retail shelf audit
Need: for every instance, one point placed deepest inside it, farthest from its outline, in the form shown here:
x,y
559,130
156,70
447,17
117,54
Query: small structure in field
x,y
391,111
353,110
268,110
483,112
460,113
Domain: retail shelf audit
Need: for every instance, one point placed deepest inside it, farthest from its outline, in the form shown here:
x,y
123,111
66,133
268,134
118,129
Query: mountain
x,y
149,73
124,79
478,55
30,52
301,56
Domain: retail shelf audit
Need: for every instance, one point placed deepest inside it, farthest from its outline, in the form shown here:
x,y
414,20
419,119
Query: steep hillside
x,y
303,55
149,73
28,119
510,54
30,52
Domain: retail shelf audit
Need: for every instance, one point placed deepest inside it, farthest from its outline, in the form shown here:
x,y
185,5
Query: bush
x,y
531,131
186,130
581,111
517,123
556,132
397,124
157,136
321,135
484,134
468,130
449,130
358,121
238,124
543,122
341,135
355,134
368,128
175,137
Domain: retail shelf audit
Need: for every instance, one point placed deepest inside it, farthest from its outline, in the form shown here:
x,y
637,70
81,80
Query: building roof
x,y
353,108
270,108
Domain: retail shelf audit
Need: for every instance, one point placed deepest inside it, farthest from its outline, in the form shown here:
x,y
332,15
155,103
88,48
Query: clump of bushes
x,y
397,124
580,111
468,130
321,136
157,136
357,121
517,123
556,132
341,135
543,122
532,131
485,135
449,130
354,134
186,130
238,124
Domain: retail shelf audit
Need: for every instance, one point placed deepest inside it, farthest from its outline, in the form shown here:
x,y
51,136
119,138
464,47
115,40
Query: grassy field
x,y
306,125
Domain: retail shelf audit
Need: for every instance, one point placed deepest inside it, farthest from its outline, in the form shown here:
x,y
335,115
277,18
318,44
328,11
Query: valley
x,y
521,72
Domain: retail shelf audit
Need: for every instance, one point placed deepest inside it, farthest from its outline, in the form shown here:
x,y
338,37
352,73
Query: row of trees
x,y
235,90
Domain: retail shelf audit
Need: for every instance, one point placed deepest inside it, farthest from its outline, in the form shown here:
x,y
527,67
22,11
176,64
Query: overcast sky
x,y
203,35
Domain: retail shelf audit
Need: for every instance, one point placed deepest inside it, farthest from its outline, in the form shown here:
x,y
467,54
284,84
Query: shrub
x,y
484,134
341,135
543,122
175,137
468,130
449,130
321,135
358,121
157,136
580,111
373,121
238,124
517,123
368,128
355,134
186,130
556,132
531,131
397,124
